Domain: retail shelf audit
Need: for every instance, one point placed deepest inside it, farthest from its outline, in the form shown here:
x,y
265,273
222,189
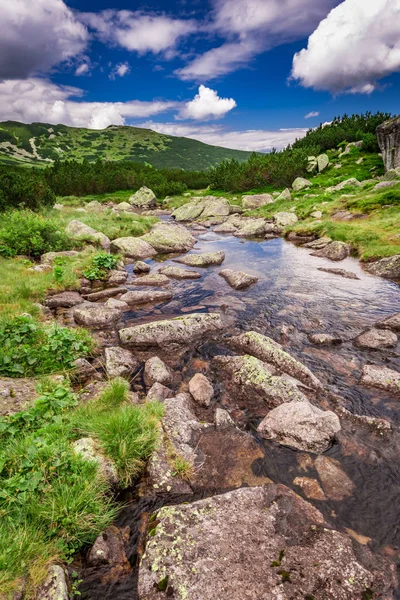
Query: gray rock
x,y
201,389
139,297
269,351
117,304
143,198
117,277
96,316
109,549
256,201
386,267
388,134
392,322
334,251
251,228
302,426
392,175
154,280
382,378
179,273
202,260
102,294
16,394
123,206
322,162
181,330
141,267
50,257
376,339
120,362
285,195
324,339
94,206
58,206
55,586
87,449
341,272
300,184
222,419
283,219
155,371
318,244
133,247
262,543
77,230
335,483
166,238
159,392
238,279
385,184
316,214
64,300
202,208
352,182
83,370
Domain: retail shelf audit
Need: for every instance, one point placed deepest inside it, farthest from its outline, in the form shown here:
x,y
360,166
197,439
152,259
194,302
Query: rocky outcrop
x,y
166,238
181,330
381,378
143,198
376,339
388,134
300,184
386,267
133,247
96,315
120,362
256,201
238,280
261,542
201,389
202,260
77,230
302,426
137,298
334,251
179,273
269,351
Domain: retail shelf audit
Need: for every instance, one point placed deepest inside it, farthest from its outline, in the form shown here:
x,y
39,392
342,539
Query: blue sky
x,y
251,74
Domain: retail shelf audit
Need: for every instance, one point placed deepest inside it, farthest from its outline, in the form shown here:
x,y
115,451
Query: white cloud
x,y
206,105
82,69
138,31
37,99
35,36
120,70
312,114
256,140
251,27
356,45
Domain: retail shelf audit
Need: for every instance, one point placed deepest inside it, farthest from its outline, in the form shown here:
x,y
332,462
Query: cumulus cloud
x,y
357,44
36,36
37,99
138,31
206,105
311,114
255,140
251,27
120,70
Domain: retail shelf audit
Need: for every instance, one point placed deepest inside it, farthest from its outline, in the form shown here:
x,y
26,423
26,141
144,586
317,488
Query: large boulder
x,y
251,228
284,219
269,351
202,208
202,260
386,267
388,134
133,247
262,543
302,426
239,280
334,251
166,238
144,198
300,184
77,230
322,162
96,315
181,330
257,200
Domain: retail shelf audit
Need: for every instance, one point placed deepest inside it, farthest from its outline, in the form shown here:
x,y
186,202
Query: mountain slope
x,y
40,144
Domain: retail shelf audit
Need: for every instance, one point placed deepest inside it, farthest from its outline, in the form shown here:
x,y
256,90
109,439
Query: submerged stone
x,y
238,279
341,272
392,322
382,378
376,339
336,484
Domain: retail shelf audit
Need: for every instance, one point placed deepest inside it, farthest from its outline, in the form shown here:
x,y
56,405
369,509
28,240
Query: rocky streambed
x,y
277,474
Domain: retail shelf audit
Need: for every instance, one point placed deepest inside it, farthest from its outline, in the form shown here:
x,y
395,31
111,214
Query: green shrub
x,y
100,266
29,348
31,234
24,188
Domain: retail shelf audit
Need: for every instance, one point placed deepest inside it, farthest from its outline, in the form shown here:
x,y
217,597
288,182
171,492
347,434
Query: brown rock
x,y
376,339
336,484
201,389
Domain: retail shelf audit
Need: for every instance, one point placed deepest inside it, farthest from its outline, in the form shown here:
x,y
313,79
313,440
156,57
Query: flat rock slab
x,y
302,426
178,273
392,322
202,208
202,260
136,298
238,280
15,394
166,238
133,247
267,350
64,300
103,294
334,251
96,316
155,280
375,339
381,378
263,543
181,330
341,272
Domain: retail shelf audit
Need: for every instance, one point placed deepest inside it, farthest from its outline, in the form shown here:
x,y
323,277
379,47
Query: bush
x,y
31,234
24,188
100,266
28,348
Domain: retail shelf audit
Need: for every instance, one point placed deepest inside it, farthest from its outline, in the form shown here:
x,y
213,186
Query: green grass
x,y
52,502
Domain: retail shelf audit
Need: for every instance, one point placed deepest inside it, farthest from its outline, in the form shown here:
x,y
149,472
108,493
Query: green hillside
x,y
40,144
